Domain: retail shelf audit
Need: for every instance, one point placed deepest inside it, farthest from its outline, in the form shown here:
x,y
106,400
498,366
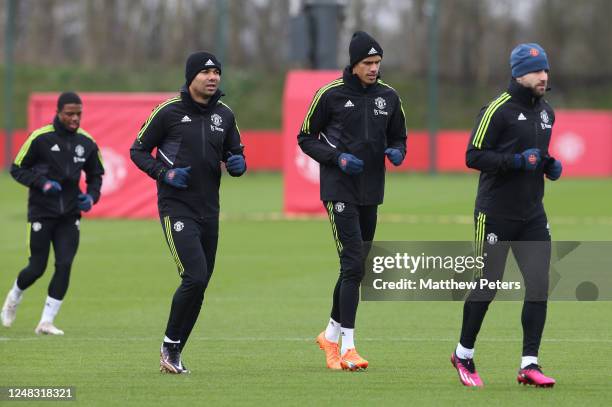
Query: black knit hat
x,y
198,61
363,46
67,98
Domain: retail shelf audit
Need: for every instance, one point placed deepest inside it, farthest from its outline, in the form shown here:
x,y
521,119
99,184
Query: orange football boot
x,y
352,361
332,353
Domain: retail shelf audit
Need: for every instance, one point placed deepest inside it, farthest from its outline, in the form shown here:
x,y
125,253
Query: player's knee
x,y
537,304
354,273
194,284
482,296
63,267
35,269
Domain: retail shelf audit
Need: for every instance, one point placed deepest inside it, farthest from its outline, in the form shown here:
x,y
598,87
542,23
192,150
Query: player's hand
x,y
527,160
553,169
350,164
178,177
51,187
85,202
235,165
395,156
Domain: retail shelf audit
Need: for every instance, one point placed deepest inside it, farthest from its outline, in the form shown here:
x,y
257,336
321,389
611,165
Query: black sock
x,y
533,319
473,315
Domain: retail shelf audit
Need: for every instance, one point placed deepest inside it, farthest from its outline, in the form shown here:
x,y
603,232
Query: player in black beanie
x,y
199,61
343,113
363,46
193,133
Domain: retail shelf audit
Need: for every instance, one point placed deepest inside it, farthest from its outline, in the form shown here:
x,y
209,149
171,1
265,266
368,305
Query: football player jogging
x,y
50,163
351,125
509,146
193,133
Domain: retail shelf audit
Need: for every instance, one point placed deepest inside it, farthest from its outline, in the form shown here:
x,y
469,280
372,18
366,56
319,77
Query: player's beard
x,y
539,89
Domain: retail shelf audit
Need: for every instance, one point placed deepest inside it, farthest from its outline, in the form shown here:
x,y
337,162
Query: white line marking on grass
x,y
408,218
299,339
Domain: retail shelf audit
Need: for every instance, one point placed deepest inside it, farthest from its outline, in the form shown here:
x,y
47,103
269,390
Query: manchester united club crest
x,y
380,103
216,120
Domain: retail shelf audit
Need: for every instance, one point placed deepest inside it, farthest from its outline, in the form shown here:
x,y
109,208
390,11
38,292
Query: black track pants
x,y
193,245
534,266
353,229
63,233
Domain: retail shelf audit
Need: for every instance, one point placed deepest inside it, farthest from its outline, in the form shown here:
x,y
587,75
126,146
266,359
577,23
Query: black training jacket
x,y
345,117
512,123
188,134
54,153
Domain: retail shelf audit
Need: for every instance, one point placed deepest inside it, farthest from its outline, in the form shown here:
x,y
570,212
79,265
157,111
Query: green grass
x,y
270,296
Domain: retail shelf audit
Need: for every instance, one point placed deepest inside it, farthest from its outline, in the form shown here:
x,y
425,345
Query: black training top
x,y
187,134
52,152
512,123
345,117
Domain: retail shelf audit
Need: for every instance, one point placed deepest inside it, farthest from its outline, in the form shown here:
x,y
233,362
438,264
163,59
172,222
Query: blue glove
x,y
527,160
553,169
85,202
395,156
51,188
177,177
235,165
350,164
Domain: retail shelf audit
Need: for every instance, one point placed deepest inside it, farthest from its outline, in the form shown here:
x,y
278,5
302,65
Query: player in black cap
x,y
352,124
193,133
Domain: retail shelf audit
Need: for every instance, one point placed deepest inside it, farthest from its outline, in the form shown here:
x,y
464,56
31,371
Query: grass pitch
x,y
270,297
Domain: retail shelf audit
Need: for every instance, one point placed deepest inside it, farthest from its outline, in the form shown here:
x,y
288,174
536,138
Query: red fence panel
x,y
581,139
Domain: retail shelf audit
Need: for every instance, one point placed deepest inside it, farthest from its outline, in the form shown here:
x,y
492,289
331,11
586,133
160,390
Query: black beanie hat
x,y
67,98
198,61
363,46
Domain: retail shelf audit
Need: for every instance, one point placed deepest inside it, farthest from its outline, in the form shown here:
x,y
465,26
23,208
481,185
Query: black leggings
x,y
353,228
533,260
64,234
193,245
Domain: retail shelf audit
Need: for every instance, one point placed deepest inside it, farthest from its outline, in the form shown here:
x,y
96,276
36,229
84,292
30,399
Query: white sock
x,y
50,310
527,360
464,353
347,339
16,292
332,332
168,340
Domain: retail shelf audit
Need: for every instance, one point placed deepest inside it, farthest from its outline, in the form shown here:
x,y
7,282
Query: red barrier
x,y
114,119
581,139
417,153
300,172
263,149
19,137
